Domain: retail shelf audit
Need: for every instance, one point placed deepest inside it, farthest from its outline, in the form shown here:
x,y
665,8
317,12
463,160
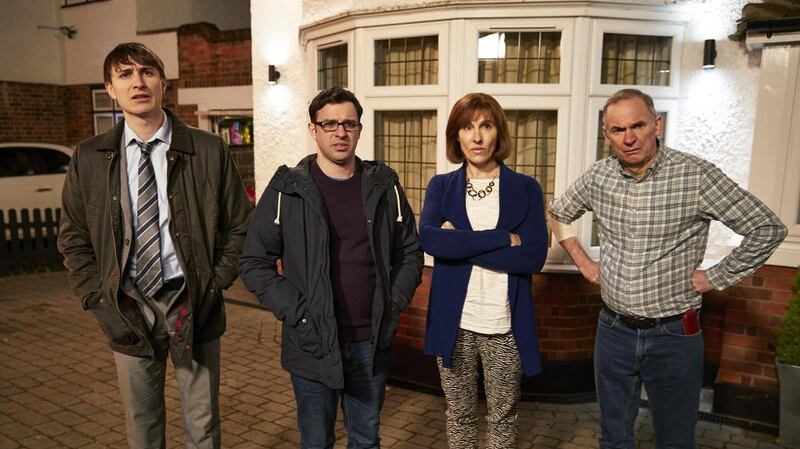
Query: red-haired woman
x,y
484,225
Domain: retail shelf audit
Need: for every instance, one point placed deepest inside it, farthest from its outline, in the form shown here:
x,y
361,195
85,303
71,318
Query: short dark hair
x,y
333,95
131,53
463,112
627,94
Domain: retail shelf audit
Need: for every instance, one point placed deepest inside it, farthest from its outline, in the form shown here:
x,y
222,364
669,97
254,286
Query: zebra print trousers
x,y
502,376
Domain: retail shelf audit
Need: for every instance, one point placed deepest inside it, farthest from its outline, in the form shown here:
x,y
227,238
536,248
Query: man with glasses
x,y
350,262
653,206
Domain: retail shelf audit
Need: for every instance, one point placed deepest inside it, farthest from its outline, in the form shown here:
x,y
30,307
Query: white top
x,y
170,266
486,308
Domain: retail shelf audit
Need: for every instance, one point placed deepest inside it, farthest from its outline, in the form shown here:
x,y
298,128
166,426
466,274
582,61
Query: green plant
x,y
787,346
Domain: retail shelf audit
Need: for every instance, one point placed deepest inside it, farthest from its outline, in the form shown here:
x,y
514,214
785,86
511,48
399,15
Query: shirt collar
x,y
661,154
163,134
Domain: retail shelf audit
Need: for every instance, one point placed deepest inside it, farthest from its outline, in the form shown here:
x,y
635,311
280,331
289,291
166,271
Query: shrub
x,y
787,345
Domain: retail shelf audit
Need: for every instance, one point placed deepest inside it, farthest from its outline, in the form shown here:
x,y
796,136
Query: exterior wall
x,y
32,112
158,15
42,60
279,111
754,312
211,58
59,114
717,107
101,26
78,107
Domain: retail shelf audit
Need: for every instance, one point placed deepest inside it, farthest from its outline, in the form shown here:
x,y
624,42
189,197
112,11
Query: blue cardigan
x,y
456,251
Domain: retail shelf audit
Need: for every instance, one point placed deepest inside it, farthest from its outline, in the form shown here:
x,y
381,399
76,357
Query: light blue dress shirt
x,y
158,156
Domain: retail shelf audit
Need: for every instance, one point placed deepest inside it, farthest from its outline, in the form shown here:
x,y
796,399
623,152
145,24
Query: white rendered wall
x,y
717,106
27,53
103,25
279,111
159,15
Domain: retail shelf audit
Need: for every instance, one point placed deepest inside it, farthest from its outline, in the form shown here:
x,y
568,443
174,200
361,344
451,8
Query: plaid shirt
x,y
653,232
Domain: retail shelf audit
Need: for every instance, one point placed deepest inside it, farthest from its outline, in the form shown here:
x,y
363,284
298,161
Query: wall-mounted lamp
x,y
273,76
709,53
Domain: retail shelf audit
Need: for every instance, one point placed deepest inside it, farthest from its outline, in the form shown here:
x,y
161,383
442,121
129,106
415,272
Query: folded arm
x,y
530,255
453,243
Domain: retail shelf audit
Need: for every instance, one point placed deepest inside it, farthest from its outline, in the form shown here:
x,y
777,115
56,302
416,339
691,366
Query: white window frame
x,y
114,116
439,104
441,29
775,160
367,139
312,60
641,28
97,108
472,30
562,107
577,97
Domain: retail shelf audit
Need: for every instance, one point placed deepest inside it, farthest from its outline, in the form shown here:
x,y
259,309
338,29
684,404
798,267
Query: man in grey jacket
x,y
348,244
154,216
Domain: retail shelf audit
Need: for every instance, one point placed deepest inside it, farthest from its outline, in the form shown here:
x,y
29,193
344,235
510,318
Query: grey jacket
x,y
209,212
290,223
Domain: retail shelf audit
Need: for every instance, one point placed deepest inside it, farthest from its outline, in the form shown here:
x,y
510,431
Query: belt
x,y
638,322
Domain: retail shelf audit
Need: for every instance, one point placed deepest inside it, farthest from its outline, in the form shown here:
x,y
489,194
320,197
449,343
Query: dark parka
x,y
208,209
290,223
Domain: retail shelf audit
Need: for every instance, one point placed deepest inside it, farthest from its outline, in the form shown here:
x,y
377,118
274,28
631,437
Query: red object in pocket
x,y
691,322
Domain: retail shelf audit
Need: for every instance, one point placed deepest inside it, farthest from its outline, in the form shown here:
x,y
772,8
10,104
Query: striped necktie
x,y
148,240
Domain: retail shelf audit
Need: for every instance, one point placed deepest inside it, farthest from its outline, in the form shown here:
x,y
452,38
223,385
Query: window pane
x,y
103,122
521,57
332,70
101,101
533,142
15,162
406,141
54,161
636,60
407,61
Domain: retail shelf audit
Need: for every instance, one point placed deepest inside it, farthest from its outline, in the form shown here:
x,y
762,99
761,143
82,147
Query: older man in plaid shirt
x,y
653,206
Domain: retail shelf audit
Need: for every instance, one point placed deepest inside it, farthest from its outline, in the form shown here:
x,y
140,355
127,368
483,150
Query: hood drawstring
x,y
277,220
399,207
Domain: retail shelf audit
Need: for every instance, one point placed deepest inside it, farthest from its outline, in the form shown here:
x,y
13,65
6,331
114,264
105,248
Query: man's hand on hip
x,y
700,281
591,271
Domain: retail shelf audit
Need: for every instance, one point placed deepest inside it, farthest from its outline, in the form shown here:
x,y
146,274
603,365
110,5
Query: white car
x,y
32,175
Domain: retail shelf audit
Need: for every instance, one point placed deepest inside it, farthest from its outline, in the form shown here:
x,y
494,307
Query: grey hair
x,y
627,94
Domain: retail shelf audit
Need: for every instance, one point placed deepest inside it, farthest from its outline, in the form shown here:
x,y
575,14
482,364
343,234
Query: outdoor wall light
x,y
709,53
273,76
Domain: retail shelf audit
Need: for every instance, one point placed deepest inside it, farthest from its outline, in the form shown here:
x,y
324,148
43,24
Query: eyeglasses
x,y
330,126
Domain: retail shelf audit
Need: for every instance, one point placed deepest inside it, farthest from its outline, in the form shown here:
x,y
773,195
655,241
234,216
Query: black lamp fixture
x,y
709,53
273,76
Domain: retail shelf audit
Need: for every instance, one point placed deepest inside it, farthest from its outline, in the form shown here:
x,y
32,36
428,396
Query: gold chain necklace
x,y
482,193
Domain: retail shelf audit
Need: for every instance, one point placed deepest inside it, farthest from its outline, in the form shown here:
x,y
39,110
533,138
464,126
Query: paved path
x,y
58,387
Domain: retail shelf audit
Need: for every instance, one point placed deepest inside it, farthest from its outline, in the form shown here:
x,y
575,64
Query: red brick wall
x,y
209,57
738,324
754,312
32,112
78,109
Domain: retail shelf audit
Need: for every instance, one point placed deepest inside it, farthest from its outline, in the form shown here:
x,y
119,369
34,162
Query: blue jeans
x,y
362,400
668,363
